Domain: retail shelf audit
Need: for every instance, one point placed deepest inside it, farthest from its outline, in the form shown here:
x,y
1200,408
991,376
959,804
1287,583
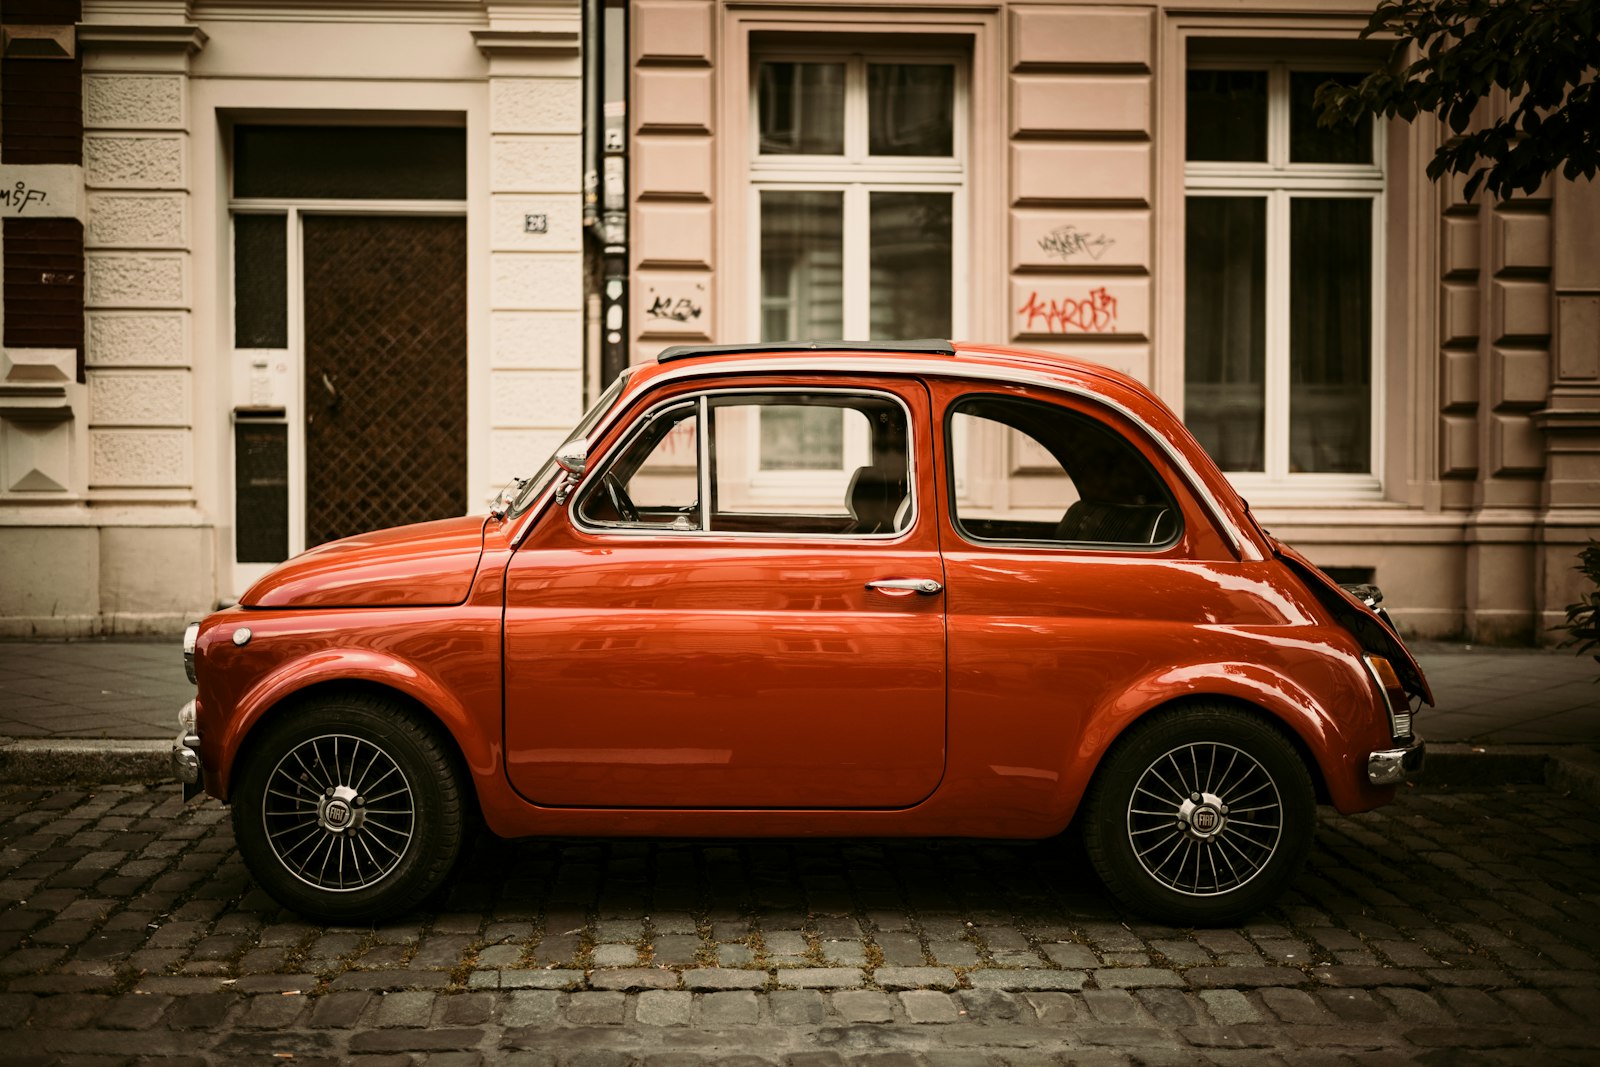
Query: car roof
x,y
965,356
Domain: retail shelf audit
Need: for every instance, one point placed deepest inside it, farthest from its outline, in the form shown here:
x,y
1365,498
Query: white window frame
x,y
857,175
1279,181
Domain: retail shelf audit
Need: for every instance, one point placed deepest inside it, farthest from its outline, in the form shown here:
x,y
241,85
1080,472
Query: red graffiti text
x,y
1095,313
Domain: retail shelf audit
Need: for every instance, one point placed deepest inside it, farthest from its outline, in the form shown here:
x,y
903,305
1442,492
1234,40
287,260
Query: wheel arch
x,y
1283,724
293,686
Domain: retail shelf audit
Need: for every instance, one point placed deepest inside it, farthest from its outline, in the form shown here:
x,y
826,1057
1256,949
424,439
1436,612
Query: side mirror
x,y
573,459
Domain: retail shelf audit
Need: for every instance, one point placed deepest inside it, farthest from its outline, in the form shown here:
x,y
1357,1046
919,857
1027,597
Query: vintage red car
x,y
888,589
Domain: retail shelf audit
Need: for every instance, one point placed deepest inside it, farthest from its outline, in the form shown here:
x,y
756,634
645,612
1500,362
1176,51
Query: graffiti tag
x,y
1095,313
680,310
1067,241
21,195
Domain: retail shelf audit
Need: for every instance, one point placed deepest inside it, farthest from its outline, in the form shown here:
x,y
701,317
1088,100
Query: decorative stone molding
x,y
133,101
136,220
184,39
549,340
536,163
132,279
134,161
139,398
556,40
547,281
139,459
131,339
536,105
530,398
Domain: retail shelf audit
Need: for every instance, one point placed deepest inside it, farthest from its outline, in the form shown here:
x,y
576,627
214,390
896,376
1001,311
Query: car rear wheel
x,y
1200,816
349,808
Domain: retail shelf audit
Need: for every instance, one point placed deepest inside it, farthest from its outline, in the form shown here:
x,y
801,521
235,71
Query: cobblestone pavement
x,y
1451,928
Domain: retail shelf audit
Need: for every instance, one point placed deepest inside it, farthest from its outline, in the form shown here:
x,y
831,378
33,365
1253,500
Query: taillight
x,y
1394,693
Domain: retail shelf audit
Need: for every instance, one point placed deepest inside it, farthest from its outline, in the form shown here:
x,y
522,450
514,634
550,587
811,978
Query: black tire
x,y
312,835
1200,863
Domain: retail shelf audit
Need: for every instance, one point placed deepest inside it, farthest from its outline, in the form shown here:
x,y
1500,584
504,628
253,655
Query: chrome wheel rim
x,y
1205,818
339,813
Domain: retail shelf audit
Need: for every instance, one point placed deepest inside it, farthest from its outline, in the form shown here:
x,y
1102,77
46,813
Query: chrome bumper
x,y
185,756
1394,765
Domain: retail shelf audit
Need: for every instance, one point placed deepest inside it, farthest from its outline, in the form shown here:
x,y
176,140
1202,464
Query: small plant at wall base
x,y
1583,618
1541,52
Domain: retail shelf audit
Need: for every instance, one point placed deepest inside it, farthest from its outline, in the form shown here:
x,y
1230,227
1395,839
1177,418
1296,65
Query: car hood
x,y
1372,631
430,563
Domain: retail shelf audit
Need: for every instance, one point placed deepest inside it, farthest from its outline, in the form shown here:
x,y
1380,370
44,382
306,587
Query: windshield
x,y
534,486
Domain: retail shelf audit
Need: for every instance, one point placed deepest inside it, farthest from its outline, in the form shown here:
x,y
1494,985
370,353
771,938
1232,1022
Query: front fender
x,y
345,666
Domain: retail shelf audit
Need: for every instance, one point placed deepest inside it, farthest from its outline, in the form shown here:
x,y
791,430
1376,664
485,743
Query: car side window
x,y
654,480
1028,471
845,467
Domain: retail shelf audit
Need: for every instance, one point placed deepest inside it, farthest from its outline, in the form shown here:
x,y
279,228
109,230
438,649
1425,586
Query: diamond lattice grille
x,y
386,372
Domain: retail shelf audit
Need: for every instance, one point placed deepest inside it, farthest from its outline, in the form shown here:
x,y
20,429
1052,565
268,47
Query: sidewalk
x,y
132,689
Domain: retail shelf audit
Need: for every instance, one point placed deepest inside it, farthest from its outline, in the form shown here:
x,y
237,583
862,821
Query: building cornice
x,y
187,39
553,41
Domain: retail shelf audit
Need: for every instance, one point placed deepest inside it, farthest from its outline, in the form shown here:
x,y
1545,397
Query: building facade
x,y
281,270
296,270
1402,382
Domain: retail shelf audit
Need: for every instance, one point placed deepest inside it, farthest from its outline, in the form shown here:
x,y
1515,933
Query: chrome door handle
x,y
902,586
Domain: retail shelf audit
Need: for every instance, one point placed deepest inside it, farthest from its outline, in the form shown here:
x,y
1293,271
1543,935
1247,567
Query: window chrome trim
x,y
1238,540
703,400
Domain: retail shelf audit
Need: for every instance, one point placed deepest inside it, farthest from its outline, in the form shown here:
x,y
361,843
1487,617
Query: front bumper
x,y
185,757
1392,766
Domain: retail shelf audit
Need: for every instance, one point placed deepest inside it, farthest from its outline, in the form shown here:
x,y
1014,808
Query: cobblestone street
x,y
1451,928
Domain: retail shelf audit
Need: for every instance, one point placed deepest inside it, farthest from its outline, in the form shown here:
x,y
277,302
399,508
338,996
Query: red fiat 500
x,y
880,589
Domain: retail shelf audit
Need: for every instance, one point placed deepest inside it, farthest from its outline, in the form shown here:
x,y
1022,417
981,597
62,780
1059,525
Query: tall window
x,y
1281,278
857,169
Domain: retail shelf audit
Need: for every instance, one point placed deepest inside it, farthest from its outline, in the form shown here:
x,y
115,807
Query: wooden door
x,y
386,371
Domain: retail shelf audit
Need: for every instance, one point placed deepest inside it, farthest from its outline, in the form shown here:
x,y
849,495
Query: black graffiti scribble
x,y
1096,313
1067,241
21,195
680,310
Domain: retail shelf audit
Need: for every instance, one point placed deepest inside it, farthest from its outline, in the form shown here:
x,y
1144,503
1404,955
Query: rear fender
x,y
1335,750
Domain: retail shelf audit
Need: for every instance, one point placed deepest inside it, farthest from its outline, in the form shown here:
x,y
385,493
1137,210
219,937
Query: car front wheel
x,y
348,808
1200,816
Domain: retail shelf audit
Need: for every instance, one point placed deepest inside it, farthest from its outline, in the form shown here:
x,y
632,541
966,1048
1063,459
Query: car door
x,y
1076,565
739,607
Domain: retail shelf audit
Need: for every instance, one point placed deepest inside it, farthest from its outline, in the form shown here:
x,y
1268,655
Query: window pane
x,y
655,479
260,281
1330,335
1225,349
1227,115
797,438
911,109
910,265
1309,143
1039,472
351,162
261,492
802,266
801,107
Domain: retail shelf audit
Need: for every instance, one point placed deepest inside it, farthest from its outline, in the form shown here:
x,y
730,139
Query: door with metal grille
x,y
385,371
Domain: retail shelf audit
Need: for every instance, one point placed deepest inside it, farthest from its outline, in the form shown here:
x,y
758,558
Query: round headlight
x,y
186,717
191,634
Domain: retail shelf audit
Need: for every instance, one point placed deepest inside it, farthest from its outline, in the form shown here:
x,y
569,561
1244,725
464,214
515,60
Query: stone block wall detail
x,y
139,288
1080,123
535,381
672,181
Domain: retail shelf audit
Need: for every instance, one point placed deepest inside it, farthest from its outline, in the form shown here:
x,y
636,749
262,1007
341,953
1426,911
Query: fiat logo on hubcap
x,y
1205,820
337,814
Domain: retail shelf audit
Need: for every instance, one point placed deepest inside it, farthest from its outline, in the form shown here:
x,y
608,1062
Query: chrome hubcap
x,y
1205,818
339,812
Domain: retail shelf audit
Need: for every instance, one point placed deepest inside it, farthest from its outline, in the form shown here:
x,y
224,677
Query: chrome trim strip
x,y
1239,540
704,435
191,637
